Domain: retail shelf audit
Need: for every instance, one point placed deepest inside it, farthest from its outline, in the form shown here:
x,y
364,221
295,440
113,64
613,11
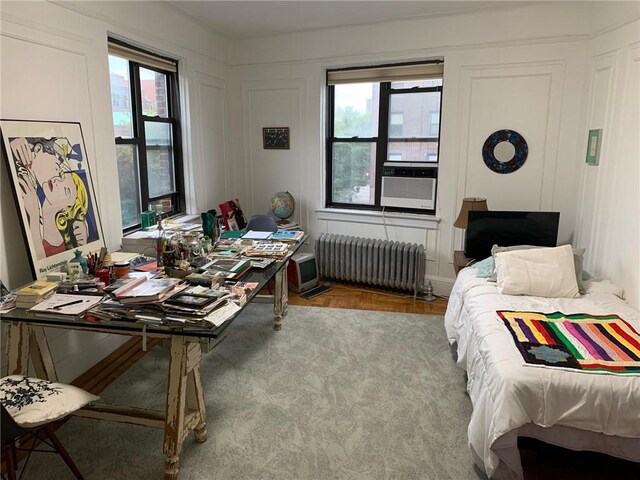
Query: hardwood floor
x,y
345,295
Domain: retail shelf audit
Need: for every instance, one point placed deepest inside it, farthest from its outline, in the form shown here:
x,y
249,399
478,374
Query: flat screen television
x,y
485,229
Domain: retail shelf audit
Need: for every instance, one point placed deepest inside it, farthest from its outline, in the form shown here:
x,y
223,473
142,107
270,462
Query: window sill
x,y
391,219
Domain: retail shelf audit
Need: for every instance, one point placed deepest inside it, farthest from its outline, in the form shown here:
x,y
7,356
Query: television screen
x,y
485,229
302,272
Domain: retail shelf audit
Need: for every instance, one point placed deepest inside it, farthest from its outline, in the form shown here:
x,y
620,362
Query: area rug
x,y
337,394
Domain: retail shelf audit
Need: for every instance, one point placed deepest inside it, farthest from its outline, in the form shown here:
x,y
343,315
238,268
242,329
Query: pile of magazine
x,y
272,249
182,305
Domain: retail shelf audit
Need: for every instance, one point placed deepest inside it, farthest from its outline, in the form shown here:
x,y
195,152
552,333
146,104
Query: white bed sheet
x,y
507,394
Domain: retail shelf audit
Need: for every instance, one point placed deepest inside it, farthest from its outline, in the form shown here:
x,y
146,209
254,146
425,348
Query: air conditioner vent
x,y
408,192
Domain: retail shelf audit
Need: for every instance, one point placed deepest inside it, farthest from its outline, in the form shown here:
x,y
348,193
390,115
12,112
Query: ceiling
x,y
242,19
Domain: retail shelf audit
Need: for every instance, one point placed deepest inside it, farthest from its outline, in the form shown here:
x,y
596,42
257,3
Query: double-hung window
x,y
383,136
146,120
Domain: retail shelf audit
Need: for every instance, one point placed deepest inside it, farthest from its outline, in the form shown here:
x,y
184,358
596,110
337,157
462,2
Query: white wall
x,y
608,222
54,67
520,68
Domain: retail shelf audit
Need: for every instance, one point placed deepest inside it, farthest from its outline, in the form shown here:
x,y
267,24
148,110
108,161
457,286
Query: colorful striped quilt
x,y
592,343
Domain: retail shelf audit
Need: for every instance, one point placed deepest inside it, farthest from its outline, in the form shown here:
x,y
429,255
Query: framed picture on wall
x,y
593,147
276,138
53,191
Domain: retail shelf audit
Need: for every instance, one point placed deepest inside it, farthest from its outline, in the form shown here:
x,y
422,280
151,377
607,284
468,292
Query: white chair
x,y
29,406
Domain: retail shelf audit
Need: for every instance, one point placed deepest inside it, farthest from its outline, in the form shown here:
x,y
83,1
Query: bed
x,y
574,409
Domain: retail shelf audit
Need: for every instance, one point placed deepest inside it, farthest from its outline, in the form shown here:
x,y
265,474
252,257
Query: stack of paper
x,y
256,235
67,306
154,290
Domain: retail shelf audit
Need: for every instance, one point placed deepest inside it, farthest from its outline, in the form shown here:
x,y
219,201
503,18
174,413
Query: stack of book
x,y
147,291
143,240
287,225
230,268
192,306
275,249
34,293
287,235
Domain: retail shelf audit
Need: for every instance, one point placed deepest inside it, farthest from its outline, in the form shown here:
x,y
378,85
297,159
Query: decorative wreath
x,y
515,139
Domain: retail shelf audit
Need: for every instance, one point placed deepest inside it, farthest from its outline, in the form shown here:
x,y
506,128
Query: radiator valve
x,y
428,293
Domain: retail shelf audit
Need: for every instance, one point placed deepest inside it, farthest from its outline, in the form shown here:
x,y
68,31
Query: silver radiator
x,y
382,263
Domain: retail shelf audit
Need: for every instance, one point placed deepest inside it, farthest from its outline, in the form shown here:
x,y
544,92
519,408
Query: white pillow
x,y
32,402
539,272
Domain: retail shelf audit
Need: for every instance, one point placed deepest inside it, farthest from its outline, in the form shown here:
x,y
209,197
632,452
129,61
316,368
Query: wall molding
x,y
371,217
552,70
297,86
604,63
81,9
204,80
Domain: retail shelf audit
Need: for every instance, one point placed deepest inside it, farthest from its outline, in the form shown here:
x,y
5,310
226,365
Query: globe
x,y
282,205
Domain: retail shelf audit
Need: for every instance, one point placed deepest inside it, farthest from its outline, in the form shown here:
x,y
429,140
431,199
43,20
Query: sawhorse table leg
x,y
281,298
27,341
185,402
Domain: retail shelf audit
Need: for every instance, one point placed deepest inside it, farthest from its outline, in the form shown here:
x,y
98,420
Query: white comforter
x,y
507,395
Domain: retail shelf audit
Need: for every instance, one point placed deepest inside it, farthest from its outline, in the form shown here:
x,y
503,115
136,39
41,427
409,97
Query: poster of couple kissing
x,y
53,189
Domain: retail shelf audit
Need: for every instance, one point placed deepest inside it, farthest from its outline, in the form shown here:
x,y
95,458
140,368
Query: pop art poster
x,y
53,191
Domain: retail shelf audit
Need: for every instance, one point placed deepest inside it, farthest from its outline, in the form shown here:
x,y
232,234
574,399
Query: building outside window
x,y
395,124
434,123
380,117
146,122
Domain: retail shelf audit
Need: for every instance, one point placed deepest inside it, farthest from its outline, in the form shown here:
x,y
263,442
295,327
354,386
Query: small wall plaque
x,y
275,138
593,147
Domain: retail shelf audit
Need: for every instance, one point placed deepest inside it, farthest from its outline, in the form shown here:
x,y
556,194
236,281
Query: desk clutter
x,y
190,281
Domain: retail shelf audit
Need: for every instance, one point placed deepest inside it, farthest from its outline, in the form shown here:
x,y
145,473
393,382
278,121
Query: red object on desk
x,y
232,215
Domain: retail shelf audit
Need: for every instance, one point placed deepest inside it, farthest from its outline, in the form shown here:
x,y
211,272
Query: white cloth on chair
x,y
32,402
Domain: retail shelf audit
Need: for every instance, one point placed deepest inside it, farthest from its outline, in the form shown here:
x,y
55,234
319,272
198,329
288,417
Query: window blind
x,y
143,58
389,73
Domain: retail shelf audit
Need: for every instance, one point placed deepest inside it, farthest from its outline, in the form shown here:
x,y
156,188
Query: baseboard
x,y
442,286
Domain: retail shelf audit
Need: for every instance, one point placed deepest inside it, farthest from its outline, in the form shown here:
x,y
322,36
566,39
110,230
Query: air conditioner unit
x,y
408,188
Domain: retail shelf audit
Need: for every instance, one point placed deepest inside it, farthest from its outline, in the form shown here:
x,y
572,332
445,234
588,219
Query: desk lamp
x,y
468,204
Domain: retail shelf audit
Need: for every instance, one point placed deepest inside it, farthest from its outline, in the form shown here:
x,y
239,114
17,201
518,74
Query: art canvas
x,y
53,190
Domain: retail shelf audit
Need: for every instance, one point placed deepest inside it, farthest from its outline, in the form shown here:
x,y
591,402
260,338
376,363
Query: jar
x,y
78,265
121,268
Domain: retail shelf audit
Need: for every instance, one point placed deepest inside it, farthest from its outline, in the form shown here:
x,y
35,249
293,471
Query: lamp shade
x,y
469,204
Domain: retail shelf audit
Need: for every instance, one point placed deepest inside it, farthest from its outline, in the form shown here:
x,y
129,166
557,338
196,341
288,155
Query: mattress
x,y
586,411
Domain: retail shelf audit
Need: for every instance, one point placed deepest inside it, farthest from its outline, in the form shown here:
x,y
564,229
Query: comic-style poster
x,y
53,190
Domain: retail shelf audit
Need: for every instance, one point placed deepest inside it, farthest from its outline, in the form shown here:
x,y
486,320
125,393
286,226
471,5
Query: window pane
x,y
160,169
434,82
416,109
121,97
154,93
354,175
412,152
396,120
356,110
129,183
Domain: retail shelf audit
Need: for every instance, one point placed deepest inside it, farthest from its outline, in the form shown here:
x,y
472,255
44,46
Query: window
x,y
146,121
381,119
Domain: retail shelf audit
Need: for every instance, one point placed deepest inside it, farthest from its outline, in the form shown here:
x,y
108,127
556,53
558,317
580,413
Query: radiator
x,y
382,263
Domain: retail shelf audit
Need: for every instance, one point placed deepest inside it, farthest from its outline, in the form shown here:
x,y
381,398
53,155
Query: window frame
x,y
138,139
381,142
